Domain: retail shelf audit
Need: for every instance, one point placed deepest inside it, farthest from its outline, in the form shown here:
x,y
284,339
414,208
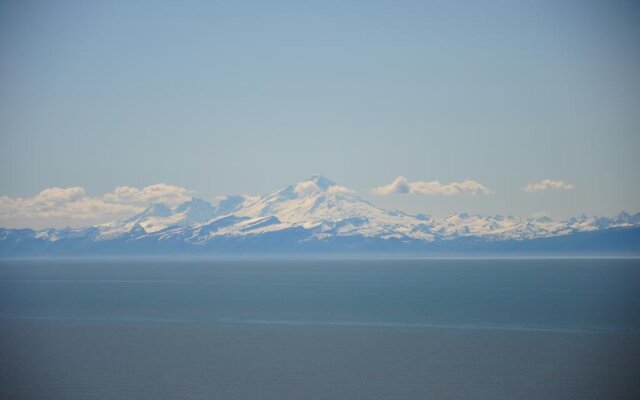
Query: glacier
x,y
319,216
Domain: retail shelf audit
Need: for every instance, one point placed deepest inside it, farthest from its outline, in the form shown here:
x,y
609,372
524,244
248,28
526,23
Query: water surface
x,y
323,329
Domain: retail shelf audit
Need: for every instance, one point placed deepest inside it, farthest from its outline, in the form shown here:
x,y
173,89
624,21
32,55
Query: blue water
x,y
323,329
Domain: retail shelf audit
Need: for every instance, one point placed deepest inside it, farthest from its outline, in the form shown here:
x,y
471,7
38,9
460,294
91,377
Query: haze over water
x,y
322,329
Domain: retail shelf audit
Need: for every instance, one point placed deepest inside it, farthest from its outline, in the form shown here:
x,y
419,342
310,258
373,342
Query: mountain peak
x,y
153,210
194,204
196,210
320,181
137,229
623,216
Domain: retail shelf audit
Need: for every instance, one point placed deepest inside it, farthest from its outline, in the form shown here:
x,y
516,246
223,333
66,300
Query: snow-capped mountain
x,y
326,208
314,212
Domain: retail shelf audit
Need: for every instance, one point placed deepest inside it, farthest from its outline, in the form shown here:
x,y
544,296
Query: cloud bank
x,y
547,184
74,204
402,186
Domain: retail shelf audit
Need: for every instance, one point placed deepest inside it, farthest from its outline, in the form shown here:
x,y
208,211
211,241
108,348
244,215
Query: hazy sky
x,y
249,96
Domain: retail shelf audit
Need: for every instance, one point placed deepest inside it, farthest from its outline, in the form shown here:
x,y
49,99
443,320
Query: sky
x,y
495,107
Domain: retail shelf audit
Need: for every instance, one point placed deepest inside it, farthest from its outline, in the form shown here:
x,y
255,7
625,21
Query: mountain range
x,y
320,216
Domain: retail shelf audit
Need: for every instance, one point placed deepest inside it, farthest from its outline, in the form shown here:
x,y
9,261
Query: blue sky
x,y
247,97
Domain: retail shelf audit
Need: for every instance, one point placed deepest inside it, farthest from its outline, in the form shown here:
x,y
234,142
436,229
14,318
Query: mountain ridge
x,y
316,214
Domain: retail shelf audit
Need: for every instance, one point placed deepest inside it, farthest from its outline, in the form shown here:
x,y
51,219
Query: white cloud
x,y
306,187
402,186
58,195
72,206
159,193
547,184
337,189
399,186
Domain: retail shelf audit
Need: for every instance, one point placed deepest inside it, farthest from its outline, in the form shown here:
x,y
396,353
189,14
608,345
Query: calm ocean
x,y
320,329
